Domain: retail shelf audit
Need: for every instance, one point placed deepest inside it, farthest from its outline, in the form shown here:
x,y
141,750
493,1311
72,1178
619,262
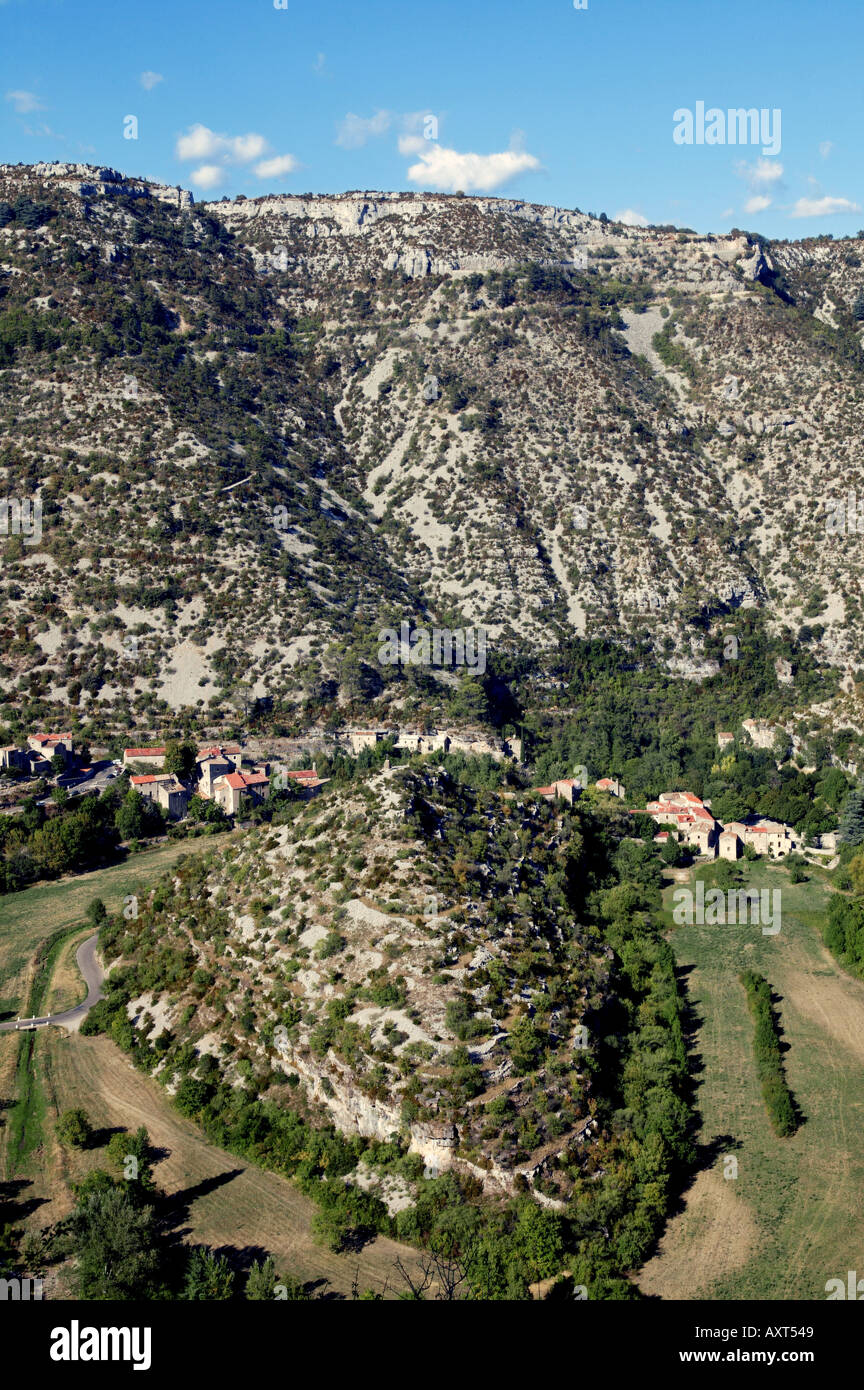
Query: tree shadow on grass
x,y
12,1208
176,1207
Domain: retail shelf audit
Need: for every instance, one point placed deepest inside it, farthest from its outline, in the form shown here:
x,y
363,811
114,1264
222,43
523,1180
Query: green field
x,y
793,1217
26,918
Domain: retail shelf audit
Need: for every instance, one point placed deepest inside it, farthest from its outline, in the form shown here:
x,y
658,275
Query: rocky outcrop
x,y
89,181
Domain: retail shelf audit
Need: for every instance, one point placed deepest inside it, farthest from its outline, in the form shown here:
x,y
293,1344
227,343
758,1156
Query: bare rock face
x,y
84,180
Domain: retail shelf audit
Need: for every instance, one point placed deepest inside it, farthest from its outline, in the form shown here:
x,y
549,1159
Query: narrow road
x,y
93,977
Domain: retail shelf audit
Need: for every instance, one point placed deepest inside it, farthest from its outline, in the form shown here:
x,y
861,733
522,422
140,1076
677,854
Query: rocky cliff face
x,y
476,410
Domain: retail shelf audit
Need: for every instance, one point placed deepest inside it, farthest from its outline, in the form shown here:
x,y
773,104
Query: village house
x,y
610,785
304,780
687,813
729,845
52,745
152,757
13,756
724,739
147,783
164,790
230,751
769,837
229,790
366,738
761,732
568,789
211,768
173,797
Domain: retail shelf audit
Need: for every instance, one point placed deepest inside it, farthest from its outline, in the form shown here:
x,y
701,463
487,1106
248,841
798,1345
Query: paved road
x,y
93,977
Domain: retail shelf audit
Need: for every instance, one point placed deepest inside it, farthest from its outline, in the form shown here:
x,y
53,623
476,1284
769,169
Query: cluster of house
x,y
35,759
219,777
570,788
688,819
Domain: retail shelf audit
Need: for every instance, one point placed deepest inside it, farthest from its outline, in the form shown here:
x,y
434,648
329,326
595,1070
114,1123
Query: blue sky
x,y
533,99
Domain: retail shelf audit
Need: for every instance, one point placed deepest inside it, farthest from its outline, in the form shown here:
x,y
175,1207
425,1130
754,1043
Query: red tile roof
x,y
240,780
143,752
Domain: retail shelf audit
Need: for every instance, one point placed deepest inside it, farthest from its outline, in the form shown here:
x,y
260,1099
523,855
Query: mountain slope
x,y
260,428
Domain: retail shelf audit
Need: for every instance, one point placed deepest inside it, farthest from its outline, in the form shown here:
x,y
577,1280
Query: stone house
x,y
761,732
212,768
567,790
147,783
52,745
164,790
231,752
229,790
473,742
694,823
12,756
724,739
152,757
365,738
305,780
769,837
729,845
610,785
173,797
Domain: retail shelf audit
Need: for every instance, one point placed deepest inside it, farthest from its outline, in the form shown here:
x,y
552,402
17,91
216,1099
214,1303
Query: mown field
x,y
793,1217
220,1200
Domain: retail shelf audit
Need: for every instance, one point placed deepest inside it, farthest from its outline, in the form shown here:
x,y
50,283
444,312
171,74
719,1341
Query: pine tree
x,y
852,821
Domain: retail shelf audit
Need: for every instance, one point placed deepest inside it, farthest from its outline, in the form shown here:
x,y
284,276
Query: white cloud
x,y
762,174
244,148
318,65
823,207
630,218
277,166
149,80
24,102
758,203
825,148
197,143
207,176
355,130
200,142
451,171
